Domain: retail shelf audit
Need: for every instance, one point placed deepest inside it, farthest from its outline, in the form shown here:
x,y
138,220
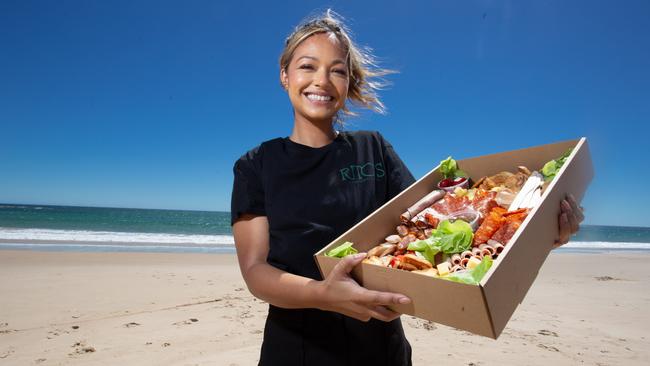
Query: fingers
x,y
571,216
346,264
358,312
382,298
576,208
364,313
565,230
381,313
569,220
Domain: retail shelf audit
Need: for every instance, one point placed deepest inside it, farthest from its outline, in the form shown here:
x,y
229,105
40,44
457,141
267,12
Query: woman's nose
x,y
321,78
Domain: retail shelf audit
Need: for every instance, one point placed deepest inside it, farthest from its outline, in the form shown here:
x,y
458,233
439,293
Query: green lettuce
x,y
426,247
450,237
455,237
471,276
449,169
551,168
342,250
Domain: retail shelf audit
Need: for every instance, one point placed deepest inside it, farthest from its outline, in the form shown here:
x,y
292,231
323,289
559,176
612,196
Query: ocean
x,y
96,229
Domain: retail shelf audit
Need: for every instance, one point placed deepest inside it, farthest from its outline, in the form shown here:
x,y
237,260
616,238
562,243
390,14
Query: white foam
x,y
120,247
162,239
109,236
601,245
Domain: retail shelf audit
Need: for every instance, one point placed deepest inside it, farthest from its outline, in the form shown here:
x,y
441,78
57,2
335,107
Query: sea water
x,y
44,227
145,230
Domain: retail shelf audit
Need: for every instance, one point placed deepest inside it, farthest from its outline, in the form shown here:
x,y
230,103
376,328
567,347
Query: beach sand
x,y
63,308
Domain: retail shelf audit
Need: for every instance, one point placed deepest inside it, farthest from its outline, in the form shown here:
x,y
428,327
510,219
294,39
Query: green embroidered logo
x,y
360,173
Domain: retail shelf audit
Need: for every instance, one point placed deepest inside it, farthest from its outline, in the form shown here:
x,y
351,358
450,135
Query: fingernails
x,y
404,300
359,255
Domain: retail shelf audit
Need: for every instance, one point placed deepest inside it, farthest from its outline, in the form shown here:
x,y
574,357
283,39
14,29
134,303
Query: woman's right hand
x,y
342,294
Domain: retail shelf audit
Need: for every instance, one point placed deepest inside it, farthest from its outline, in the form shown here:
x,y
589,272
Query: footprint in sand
x,y
7,353
548,348
131,324
186,322
81,348
56,332
5,331
245,315
545,332
606,278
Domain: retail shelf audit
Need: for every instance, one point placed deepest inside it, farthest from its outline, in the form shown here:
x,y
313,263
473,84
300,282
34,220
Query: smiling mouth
x,y
319,98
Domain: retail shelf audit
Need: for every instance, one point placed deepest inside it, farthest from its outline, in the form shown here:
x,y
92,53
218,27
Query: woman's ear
x,y
284,79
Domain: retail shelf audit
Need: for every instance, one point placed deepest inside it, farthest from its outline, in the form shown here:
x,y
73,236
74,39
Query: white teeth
x,y
319,97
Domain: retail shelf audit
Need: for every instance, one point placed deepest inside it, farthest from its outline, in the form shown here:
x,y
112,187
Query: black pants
x,y
310,337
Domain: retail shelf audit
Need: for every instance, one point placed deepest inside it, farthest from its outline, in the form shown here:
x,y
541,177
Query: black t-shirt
x,y
310,196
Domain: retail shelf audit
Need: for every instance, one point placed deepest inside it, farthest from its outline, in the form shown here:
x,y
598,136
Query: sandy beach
x,y
64,308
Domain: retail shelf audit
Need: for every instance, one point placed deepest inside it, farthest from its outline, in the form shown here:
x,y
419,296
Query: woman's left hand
x,y
571,215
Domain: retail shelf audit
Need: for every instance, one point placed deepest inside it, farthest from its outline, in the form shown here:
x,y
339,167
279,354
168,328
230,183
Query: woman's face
x,y
317,79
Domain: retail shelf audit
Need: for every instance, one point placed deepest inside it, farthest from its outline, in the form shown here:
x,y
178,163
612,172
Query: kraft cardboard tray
x,y
484,309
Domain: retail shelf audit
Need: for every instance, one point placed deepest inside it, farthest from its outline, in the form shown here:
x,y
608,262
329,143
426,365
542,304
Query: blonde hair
x,y
364,73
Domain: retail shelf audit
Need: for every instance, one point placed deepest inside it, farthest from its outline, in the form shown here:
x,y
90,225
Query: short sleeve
x,y
247,191
399,176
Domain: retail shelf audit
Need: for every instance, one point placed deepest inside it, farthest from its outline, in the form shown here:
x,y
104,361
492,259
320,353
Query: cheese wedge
x,y
443,268
473,262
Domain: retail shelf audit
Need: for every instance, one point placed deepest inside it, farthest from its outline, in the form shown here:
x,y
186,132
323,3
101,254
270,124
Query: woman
x,y
294,195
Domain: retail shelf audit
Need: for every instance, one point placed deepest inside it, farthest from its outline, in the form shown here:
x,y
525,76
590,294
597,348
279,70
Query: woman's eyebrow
x,y
309,57
337,61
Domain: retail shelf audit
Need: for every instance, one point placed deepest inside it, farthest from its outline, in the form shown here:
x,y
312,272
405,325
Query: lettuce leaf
x,y
450,237
455,236
342,250
427,247
449,169
551,168
455,242
471,276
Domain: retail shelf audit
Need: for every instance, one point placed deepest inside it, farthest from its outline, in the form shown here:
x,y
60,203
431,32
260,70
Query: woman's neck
x,y
312,134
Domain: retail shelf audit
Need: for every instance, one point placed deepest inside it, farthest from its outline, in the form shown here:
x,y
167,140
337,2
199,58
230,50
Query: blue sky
x,y
148,104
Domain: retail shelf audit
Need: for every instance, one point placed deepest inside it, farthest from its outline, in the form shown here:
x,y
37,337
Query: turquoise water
x,y
615,234
122,229
114,219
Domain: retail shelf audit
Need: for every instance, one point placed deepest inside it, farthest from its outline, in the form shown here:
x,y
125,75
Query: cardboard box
x,y
484,309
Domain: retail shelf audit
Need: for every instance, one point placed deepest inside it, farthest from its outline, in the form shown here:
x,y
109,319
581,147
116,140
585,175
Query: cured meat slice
x,y
512,222
450,204
490,225
484,202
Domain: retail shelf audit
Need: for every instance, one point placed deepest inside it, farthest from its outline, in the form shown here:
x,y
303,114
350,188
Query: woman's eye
x,y
306,67
341,71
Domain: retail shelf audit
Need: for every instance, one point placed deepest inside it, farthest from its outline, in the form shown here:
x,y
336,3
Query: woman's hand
x,y
338,292
342,294
571,215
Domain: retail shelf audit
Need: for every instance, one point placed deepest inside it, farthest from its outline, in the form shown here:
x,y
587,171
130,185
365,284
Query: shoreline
x,y
67,246
113,247
72,242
